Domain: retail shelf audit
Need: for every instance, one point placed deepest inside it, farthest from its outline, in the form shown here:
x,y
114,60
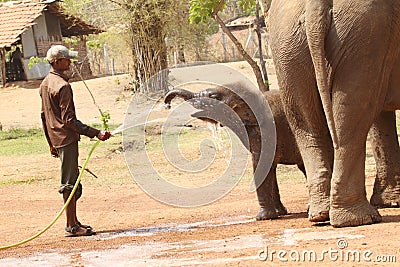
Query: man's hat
x,y
60,51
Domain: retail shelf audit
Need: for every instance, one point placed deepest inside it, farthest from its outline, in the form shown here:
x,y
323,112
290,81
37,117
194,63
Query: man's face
x,y
62,64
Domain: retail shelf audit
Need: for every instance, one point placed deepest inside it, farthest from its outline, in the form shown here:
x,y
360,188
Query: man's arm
x,y
69,117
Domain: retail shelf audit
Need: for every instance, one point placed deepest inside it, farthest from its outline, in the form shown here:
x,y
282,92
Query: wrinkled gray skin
x,y
349,48
385,144
286,152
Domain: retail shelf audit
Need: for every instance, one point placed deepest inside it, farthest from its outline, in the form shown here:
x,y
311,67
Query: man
x,y
16,58
63,130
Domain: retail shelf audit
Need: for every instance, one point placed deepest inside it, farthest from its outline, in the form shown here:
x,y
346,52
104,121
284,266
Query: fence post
x,y
224,46
3,66
106,59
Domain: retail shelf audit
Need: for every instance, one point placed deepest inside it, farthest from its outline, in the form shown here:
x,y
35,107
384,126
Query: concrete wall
x,y
38,71
28,43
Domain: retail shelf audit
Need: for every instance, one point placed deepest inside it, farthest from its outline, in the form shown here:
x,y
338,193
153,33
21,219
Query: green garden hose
x,y
65,205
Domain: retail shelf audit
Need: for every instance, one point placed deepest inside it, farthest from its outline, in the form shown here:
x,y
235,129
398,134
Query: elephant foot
x,y
280,209
357,214
318,212
320,216
266,214
386,197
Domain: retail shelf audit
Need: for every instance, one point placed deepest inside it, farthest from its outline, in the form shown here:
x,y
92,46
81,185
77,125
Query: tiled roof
x,y
243,21
16,16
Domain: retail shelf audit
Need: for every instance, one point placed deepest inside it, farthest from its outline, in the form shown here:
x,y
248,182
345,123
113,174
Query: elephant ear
x,y
318,18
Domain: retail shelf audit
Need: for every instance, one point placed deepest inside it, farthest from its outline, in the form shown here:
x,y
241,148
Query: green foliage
x,y
71,40
248,6
201,10
35,60
105,118
94,44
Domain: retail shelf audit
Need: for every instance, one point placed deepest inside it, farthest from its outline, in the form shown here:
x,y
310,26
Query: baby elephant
x,y
286,152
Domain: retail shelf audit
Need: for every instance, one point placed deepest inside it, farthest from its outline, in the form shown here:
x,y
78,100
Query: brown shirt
x,y
60,124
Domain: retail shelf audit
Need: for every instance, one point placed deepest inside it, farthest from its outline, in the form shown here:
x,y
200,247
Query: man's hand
x,y
104,135
53,152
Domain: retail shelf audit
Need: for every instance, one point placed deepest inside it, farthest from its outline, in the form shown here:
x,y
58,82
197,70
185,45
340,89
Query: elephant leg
x,y
266,197
312,136
353,119
318,158
361,59
386,150
307,121
279,207
266,182
349,205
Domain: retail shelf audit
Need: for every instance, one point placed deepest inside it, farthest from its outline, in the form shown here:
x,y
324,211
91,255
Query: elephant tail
x,y
317,23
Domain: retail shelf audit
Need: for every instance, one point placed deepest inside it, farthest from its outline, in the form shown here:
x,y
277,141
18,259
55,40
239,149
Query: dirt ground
x,y
133,229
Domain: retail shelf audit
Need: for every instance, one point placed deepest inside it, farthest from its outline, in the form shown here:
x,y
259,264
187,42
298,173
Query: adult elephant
x,y
337,64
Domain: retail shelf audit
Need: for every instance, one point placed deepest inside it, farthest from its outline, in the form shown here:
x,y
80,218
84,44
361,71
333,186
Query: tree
x,y
108,45
188,39
203,10
139,26
148,30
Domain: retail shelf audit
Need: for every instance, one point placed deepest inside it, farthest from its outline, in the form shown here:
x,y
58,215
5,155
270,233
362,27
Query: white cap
x,y
60,51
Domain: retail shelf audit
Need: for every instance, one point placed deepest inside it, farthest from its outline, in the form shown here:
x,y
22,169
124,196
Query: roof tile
x,y
16,16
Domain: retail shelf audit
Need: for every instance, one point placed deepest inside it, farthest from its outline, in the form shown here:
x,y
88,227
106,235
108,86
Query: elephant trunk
x,y
181,93
318,19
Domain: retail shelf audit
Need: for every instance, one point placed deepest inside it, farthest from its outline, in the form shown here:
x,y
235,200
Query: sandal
x,y
73,231
84,226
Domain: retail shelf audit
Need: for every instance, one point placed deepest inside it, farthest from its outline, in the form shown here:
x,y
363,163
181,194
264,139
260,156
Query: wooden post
x,y
112,67
258,31
3,66
106,59
224,46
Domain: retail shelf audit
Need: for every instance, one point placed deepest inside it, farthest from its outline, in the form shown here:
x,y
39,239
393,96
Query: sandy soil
x,y
133,229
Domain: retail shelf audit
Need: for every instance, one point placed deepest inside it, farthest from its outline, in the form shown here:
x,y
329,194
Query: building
x,y
28,29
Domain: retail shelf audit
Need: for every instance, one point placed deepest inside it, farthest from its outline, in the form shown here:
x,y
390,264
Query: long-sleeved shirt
x,y
60,124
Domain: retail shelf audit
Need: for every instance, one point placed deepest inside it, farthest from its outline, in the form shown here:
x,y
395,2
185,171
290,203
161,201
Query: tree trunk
x,y
150,55
260,50
263,86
